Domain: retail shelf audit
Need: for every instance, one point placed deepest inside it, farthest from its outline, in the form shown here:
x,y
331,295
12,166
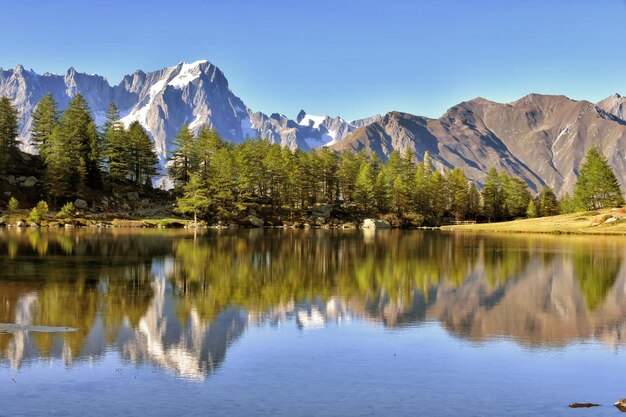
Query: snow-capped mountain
x,y
162,101
327,131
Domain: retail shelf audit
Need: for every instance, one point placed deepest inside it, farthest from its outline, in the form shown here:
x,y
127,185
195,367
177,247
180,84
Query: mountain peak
x,y
301,115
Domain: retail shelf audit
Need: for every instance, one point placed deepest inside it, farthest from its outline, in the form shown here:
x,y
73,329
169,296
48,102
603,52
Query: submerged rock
x,y
376,224
583,405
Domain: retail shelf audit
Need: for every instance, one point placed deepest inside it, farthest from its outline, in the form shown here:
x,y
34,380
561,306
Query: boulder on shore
x,y
376,224
321,210
29,182
255,221
80,204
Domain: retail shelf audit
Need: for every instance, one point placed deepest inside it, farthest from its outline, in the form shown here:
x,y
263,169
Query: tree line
x,y
217,180
79,157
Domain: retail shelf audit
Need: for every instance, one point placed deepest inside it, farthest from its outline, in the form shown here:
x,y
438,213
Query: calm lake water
x,y
310,323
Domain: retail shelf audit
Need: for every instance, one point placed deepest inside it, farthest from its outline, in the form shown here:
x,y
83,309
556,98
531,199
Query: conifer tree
x,y
207,145
459,193
531,210
597,187
144,161
75,137
549,205
492,195
400,196
349,166
423,192
183,160
8,134
473,201
439,197
364,187
515,196
195,198
115,146
45,119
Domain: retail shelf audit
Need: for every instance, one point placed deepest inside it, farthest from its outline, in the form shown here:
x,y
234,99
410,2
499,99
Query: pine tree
x,y
473,201
61,167
364,187
45,119
440,196
144,160
549,205
515,195
423,192
400,196
195,198
114,138
567,204
531,210
493,195
13,205
73,138
459,193
349,166
597,187
8,134
207,145
183,160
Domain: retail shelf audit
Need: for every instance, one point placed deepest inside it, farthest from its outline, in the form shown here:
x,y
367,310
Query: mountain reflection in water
x,y
179,300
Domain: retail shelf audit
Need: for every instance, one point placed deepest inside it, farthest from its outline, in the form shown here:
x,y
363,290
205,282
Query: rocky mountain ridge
x,y
162,101
540,138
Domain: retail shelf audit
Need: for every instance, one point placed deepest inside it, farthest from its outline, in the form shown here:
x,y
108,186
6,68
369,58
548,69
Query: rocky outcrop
x,y
80,204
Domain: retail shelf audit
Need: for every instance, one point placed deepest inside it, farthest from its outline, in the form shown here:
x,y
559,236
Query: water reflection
x,y
178,300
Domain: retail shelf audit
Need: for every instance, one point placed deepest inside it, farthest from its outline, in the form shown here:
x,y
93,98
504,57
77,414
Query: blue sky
x,y
338,57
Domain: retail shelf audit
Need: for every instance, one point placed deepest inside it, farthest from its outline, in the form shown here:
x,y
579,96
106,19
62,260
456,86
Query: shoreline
x,y
601,222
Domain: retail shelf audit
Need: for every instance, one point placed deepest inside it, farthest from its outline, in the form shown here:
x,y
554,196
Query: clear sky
x,y
338,57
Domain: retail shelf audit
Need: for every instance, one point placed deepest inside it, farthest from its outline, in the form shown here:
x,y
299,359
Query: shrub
x,y
67,211
42,208
34,215
13,205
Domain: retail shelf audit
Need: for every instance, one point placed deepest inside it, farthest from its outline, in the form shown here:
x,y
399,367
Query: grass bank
x,y
602,222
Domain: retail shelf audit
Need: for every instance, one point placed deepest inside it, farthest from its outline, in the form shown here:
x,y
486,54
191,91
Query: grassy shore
x,y
603,222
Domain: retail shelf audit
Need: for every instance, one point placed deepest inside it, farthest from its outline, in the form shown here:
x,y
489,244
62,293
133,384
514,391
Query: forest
x,y
214,180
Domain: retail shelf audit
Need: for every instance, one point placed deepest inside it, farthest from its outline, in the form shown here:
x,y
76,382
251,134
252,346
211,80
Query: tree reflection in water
x,y
178,300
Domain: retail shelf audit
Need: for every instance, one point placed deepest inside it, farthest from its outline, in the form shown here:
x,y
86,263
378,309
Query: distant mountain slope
x,y
540,138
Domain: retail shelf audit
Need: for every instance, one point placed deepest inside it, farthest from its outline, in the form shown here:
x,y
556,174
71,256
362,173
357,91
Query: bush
x,y
13,205
34,215
67,211
42,208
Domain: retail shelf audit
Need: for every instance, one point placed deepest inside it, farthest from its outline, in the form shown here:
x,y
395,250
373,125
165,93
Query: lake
x,y
309,323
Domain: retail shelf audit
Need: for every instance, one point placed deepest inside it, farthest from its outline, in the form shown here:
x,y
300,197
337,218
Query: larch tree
x,y
45,119
597,187
183,160
8,134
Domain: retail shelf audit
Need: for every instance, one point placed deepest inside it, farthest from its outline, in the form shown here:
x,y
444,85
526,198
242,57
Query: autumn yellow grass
x,y
602,222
